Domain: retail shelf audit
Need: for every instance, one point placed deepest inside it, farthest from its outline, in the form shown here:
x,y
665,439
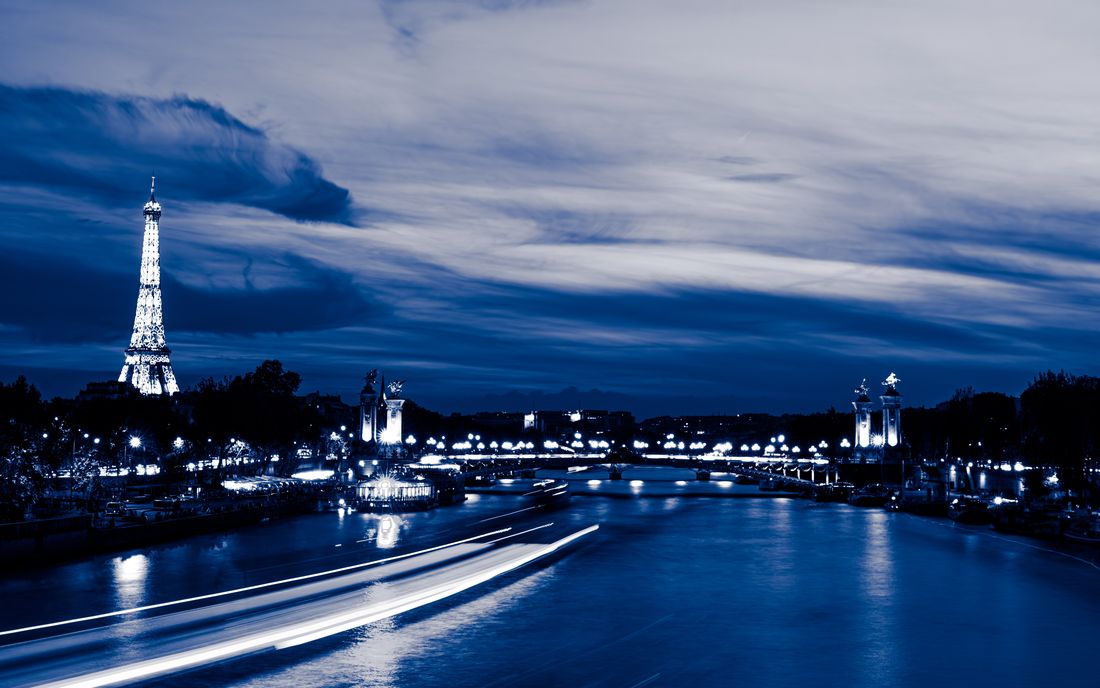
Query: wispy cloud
x,y
575,193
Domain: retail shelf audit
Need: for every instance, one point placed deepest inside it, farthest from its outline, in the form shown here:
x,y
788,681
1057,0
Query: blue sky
x,y
693,206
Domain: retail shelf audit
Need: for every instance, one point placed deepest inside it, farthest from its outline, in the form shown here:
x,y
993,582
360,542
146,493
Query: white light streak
x,y
301,633
260,586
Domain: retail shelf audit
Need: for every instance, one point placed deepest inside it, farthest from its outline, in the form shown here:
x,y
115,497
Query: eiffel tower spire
x,y
147,366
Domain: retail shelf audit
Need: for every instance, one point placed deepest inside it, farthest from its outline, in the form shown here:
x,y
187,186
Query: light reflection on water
x,y
384,530
379,654
129,579
389,527
875,657
877,573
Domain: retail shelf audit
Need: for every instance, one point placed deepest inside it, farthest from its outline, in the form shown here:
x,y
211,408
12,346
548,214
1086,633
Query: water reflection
x,y
129,574
382,652
877,570
878,657
384,529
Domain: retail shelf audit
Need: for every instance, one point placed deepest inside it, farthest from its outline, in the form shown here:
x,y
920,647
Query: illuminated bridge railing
x,y
602,457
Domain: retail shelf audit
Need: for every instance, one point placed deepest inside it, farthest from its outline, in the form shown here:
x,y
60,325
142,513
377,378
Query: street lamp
x,y
134,443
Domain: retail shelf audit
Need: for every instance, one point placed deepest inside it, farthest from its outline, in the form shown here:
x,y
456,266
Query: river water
x,y
671,591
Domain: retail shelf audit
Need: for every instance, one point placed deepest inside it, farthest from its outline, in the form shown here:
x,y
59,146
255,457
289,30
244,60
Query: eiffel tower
x,y
147,366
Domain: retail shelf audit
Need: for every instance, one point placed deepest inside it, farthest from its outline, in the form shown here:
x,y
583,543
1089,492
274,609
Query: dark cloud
x,y
738,160
64,301
763,178
107,145
410,19
321,299
565,227
768,316
701,351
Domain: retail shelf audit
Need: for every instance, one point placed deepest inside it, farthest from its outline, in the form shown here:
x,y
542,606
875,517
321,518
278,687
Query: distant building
x,y
599,422
98,391
504,421
331,409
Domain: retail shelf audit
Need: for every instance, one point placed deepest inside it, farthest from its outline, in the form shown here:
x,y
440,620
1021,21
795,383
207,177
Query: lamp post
x,y
134,443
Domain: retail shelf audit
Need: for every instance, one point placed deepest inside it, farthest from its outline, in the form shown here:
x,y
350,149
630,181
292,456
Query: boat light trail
x,y
301,633
250,588
522,532
510,513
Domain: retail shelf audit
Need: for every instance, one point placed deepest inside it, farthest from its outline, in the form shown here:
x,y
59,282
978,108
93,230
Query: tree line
x,y
257,416
260,417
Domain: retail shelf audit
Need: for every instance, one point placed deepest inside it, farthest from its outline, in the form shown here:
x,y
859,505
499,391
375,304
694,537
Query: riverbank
x,y
39,542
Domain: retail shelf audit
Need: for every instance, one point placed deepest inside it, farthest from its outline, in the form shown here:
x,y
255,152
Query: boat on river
x,y
871,495
970,509
1035,519
1084,529
833,492
550,493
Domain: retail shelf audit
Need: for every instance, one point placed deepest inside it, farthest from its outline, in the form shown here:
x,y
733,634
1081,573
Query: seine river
x,y
671,591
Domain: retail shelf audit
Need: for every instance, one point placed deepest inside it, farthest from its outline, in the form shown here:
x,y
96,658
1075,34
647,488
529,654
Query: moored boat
x,y
1034,519
833,492
970,509
1084,529
770,485
870,495
550,493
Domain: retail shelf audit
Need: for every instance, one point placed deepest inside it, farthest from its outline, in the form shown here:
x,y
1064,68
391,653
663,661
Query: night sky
x,y
668,207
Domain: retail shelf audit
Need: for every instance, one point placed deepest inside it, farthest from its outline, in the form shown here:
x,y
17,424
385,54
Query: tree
x,y
1058,414
85,476
214,418
23,436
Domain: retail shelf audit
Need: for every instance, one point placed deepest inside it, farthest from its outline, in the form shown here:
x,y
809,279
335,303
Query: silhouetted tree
x,y
214,418
269,416
1058,415
22,473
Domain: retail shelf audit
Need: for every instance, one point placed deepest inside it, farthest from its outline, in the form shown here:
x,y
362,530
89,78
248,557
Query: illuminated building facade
x,y
368,409
391,434
380,413
148,367
862,406
395,493
891,411
868,444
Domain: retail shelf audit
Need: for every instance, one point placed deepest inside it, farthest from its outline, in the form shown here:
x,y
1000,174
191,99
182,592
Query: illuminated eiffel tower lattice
x,y
147,366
